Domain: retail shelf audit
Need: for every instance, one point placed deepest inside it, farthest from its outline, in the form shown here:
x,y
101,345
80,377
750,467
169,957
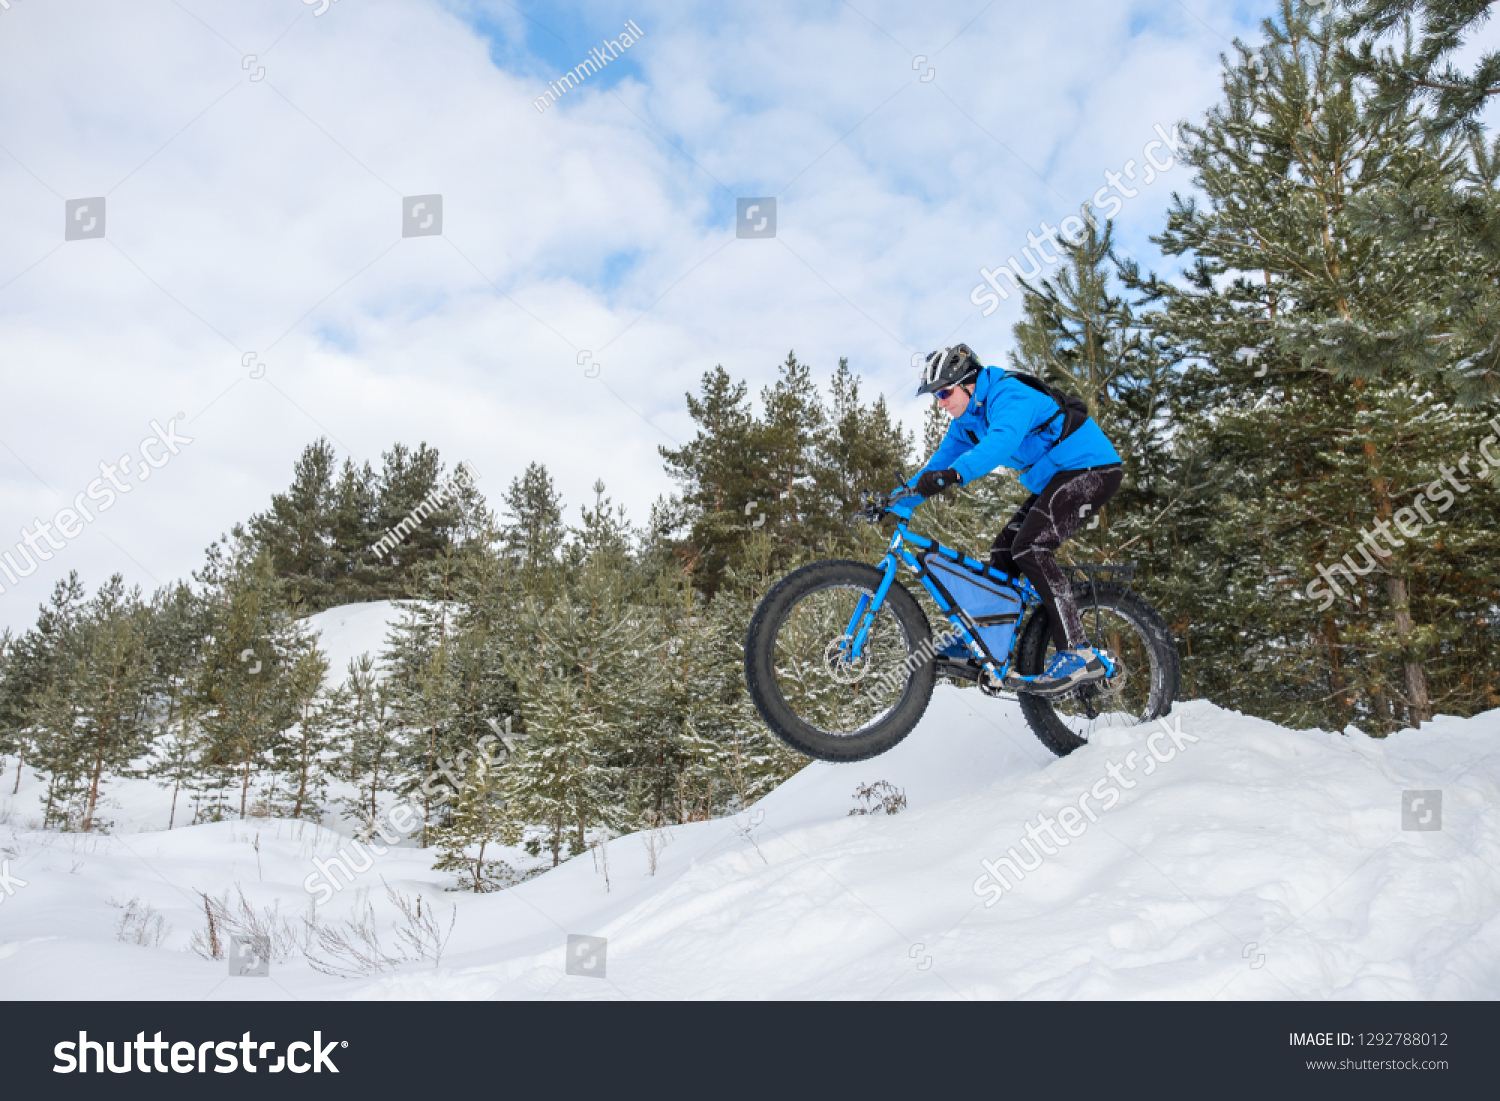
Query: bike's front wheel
x,y
1147,669
798,671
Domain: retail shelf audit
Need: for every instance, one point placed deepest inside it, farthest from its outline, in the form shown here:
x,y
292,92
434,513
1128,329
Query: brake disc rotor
x,y
840,668
1112,686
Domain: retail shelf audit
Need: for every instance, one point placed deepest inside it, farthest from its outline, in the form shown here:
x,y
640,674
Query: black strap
x,y
1072,410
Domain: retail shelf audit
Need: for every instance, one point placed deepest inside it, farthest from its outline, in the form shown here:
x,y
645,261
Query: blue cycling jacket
x,y
999,429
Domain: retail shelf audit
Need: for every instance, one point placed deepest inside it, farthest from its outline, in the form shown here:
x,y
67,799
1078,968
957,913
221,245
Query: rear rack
x,y
1109,571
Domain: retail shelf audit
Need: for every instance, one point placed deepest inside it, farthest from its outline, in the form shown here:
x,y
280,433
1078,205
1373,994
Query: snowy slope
x,y
351,630
1258,862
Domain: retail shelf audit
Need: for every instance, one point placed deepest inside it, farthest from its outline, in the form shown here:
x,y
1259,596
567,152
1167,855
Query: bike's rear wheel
x,y
812,699
1142,690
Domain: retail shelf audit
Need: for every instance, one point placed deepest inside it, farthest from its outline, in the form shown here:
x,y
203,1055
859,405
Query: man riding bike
x,y
1065,460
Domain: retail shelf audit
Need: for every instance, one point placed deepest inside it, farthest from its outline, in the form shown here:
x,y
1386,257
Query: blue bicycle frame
x,y
898,555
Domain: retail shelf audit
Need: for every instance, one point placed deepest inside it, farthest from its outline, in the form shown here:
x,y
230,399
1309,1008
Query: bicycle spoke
x,y
830,693
1124,700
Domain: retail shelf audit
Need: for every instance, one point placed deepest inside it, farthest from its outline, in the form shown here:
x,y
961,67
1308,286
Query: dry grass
x,y
352,948
266,925
140,924
881,797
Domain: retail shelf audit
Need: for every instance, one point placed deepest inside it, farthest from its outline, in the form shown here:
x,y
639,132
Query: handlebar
x,y
900,502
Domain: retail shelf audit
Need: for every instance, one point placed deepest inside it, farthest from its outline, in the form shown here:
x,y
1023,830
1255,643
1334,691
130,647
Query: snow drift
x,y
1253,862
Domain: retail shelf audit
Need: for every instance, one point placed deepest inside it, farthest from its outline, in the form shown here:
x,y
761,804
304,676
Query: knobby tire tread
x,y
1031,651
760,677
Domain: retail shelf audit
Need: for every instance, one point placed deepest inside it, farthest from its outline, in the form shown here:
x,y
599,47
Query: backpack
x,y
1073,410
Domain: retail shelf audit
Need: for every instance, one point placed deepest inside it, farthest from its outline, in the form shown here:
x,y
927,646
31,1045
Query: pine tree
x,y
425,691
720,473
480,819
363,711
302,751
94,717
177,625
793,474
360,573
408,481
1423,71
581,684
32,664
297,531
708,751
487,591
1444,227
1081,334
862,450
792,427
1290,449
533,507
560,781
242,692
323,535
175,762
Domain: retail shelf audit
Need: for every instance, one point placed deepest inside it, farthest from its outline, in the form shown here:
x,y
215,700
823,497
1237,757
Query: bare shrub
x,y
599,849
244,920
140,924
655,838
209,943
421,932
352,948
746,830
880,797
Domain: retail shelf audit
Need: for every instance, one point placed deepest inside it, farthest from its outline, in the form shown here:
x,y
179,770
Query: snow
x,y
1258,862
351,630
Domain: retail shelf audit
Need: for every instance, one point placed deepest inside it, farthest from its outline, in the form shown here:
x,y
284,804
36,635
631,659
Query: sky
x,y
252,288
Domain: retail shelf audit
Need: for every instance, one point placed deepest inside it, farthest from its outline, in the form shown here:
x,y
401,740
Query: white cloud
x,y
265,216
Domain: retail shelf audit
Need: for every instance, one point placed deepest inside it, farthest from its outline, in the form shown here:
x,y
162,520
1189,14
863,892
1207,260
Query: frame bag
x,y
990,608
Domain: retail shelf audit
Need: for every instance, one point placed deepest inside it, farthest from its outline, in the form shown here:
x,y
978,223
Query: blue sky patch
x,y
557,38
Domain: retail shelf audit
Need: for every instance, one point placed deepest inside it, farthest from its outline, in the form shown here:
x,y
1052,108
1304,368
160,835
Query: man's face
x,y
956,401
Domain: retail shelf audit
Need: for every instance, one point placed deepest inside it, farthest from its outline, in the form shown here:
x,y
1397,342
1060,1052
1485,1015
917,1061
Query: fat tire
x,y
760,676
1031,651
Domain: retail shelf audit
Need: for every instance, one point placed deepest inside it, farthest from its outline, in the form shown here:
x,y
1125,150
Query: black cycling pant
x,y
1026,544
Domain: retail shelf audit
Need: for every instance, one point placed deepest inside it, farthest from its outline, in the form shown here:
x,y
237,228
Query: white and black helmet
x,y
952,366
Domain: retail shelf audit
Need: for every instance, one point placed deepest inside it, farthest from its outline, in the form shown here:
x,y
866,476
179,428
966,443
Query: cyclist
x,y
1065,460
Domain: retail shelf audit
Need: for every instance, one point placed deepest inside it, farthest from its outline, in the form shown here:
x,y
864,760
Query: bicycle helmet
x,y
952,366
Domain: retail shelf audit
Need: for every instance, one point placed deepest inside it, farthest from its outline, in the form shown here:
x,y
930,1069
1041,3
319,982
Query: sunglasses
x,y
945,393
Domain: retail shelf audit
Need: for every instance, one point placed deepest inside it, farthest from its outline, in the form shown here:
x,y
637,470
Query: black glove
x,y
935,481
